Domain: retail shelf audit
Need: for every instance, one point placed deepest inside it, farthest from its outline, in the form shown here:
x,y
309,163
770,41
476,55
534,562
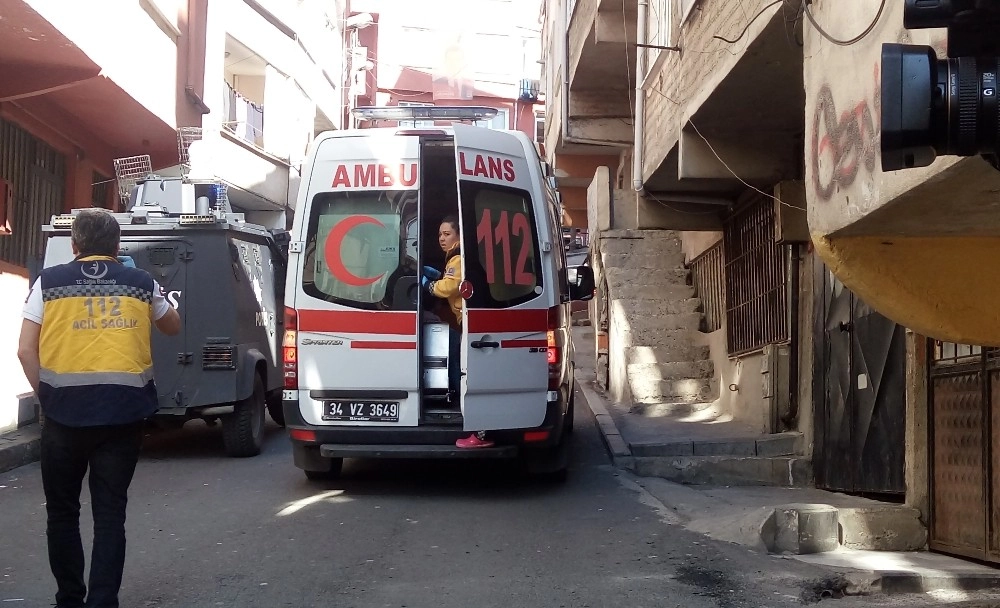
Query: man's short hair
x,y
96,232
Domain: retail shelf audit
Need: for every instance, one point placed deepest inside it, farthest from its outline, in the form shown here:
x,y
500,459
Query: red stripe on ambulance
x,y
358,322
497,321
383,345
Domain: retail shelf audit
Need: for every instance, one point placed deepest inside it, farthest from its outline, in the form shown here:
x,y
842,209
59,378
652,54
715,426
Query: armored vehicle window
x,y
500,246
355,249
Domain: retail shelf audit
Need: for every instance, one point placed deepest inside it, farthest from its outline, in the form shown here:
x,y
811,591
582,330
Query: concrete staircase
x,y
661,379
654,318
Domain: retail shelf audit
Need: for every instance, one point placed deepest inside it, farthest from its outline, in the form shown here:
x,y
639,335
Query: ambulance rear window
x,y
500,246
355,252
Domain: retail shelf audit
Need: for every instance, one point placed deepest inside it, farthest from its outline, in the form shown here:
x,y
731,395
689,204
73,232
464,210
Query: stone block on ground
x,y
802,529
882,528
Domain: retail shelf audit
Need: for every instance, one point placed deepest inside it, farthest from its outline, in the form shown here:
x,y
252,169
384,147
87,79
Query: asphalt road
x,y
206,530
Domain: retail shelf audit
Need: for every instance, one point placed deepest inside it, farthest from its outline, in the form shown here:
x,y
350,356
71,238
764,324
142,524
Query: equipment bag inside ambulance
x,y
366,350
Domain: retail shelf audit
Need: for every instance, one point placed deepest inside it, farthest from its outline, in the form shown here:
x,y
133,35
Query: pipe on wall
x,y
638,120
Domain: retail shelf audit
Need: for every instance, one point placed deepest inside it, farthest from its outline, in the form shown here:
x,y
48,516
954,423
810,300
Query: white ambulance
x,y
366,347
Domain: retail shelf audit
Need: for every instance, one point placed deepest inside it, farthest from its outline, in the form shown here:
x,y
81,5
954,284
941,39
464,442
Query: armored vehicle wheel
x,y
336,465
274,408
243,430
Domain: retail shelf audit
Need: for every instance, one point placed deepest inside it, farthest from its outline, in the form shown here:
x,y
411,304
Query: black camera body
x,y
947,106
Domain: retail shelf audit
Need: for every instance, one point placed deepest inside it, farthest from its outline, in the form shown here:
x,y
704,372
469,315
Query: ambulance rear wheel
x,y
336,465
243,430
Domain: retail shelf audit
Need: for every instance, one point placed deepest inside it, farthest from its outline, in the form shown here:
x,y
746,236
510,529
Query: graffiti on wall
x,y
844,143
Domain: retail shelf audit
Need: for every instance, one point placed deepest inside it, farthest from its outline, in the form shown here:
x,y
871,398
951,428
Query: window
x,y
355,251
100,190
498,122
500,247
756,278
415,124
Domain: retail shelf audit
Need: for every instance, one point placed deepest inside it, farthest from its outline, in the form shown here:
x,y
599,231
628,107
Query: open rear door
x,y
505,320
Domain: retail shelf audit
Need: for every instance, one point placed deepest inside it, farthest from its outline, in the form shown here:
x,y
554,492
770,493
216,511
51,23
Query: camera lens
x,y
932,106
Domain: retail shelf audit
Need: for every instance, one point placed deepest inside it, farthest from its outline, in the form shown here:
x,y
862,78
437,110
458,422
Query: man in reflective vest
x,y
85,348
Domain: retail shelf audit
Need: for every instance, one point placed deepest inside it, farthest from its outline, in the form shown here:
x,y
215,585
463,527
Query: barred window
x,y
757,311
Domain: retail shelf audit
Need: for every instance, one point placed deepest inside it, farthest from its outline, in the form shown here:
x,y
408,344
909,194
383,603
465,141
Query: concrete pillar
x,y
917,466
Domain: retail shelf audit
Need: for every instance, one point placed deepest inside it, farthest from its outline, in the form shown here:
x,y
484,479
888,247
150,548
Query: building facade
x,y
753,258
75,96
482,53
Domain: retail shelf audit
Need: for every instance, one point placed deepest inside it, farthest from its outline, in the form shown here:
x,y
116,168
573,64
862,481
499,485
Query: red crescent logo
x,y
334,242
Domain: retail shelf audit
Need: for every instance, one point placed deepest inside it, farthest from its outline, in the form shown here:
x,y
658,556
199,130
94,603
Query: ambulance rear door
x,y
357,284
505,319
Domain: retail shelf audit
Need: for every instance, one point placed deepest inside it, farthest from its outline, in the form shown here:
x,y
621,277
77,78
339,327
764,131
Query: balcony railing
x,y
242,117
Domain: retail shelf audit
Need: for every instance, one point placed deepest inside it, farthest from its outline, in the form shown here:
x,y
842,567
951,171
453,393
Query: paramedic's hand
x,y
425,283
432,273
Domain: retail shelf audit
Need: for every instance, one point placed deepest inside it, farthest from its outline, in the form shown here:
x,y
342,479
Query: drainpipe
x,y
640,96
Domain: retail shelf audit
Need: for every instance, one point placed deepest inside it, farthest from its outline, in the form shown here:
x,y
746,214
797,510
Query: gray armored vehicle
x,y
226,278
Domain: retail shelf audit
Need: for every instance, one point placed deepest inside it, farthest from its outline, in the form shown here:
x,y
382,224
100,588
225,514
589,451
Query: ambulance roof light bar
x,y
398,113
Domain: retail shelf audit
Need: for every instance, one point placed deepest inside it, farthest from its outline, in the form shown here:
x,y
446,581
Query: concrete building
x,y
480,53
82,84
758,269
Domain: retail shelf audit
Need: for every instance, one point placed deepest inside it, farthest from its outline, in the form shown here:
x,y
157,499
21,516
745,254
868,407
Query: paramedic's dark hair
x,y
453,220
95,232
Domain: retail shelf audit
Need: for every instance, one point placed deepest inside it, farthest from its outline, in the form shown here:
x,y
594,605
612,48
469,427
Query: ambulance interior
x,y
438,200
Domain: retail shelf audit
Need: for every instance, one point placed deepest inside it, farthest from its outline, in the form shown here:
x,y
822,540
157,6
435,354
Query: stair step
x,y
784,471
661,259
673,369
690,321
777,444
649,276
667,409
640,246
676,390
645,291
679,352
633,307
668,338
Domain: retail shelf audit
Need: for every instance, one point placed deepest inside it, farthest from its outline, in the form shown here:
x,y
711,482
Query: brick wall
x,y
688,78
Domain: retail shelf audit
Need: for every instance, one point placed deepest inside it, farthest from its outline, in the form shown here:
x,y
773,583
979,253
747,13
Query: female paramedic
x,y
447,287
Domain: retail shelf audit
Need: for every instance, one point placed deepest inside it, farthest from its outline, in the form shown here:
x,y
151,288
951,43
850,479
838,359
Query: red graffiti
x,y
842,144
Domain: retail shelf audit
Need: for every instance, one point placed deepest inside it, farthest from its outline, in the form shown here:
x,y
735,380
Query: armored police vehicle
x,y
226,278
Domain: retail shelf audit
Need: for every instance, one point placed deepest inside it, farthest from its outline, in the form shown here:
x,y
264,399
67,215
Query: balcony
x,y
243,117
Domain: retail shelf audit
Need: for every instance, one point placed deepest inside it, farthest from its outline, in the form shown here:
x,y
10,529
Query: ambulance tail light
x,y
289,350
554,349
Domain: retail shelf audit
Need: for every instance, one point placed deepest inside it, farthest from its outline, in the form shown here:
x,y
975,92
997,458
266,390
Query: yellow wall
x,y
945,287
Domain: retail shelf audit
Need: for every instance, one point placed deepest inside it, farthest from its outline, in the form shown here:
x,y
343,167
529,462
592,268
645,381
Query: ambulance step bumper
x,y
415,451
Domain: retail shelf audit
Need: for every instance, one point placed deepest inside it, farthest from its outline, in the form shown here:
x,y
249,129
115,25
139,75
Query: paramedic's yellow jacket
x,y
447,286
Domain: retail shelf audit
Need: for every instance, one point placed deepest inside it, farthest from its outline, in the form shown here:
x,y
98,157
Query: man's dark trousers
x,y
111,453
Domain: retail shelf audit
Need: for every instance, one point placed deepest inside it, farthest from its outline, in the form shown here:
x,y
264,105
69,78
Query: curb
x,y
617,447
20,447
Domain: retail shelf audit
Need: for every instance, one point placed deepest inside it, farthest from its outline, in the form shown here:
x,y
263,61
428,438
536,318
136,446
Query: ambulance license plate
x,y
362,411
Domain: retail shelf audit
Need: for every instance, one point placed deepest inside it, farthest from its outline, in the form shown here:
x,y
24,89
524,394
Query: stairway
x,y
654,360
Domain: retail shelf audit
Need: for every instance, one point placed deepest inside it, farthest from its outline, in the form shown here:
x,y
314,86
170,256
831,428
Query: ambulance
x,y
365,350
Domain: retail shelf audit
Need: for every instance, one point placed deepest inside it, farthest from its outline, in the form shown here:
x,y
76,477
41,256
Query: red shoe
x,y
474,441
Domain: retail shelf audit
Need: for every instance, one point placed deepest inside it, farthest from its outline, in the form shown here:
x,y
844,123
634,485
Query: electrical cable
x,y
819,28
747,26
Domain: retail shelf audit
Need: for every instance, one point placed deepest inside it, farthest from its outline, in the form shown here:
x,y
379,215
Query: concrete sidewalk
x,y
20,447
820,527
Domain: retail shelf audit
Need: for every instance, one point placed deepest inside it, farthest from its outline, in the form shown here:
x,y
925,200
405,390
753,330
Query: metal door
x,y
860,394
965,450
173,357
504,322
